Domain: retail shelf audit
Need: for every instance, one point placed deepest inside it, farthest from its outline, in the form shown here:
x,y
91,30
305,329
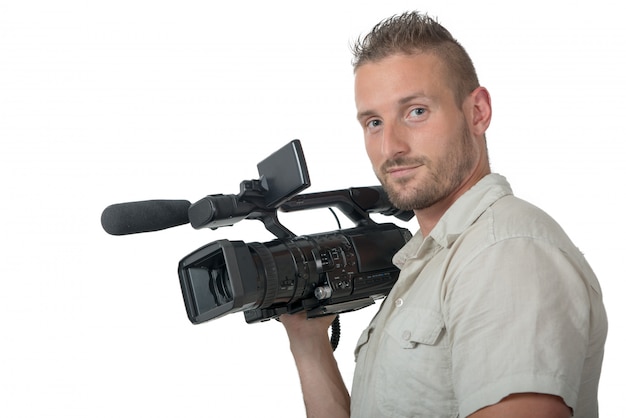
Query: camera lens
x,y
219,286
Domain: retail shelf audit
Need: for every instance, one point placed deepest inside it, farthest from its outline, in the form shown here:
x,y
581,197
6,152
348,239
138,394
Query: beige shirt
x,y
495,301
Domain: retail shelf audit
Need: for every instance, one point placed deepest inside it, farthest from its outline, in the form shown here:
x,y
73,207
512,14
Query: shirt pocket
x,y
414,372
413,326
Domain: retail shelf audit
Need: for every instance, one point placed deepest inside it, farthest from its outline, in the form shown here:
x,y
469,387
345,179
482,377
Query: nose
x,y
394,141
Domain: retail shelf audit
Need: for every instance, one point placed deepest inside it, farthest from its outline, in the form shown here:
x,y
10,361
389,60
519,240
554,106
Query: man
x,y
495,313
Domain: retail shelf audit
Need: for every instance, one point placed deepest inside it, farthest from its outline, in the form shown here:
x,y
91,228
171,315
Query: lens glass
x,y
210,284
219,286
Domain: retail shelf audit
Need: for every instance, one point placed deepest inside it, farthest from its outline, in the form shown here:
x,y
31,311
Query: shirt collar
x,y
463,212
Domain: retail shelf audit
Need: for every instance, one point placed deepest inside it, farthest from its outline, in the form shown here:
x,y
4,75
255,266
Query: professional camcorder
x,y
325,273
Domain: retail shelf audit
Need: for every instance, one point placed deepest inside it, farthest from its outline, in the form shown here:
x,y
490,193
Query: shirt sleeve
x,y
518,318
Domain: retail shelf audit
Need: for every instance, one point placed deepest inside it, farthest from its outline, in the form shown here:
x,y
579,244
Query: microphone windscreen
x,y
144,216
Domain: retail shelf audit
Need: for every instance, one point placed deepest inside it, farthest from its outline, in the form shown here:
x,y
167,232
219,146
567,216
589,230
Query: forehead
x,y
396,76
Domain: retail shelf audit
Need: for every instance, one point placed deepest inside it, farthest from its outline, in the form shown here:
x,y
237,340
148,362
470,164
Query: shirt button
x,y
406,335
399,302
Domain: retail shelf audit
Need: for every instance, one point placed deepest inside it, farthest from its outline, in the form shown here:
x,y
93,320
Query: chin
x,y
401,198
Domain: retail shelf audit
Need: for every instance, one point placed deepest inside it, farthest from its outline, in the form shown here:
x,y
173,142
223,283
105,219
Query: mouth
x,y
401,171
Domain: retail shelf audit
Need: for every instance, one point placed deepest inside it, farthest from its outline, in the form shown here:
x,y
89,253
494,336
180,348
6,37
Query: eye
x,y
416,112
374,123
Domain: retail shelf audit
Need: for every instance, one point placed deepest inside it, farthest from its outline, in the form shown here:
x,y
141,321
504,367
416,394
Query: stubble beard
x,y
442,178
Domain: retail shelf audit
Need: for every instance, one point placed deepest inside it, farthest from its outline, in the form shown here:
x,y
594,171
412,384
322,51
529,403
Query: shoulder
x,y
509,219
512,217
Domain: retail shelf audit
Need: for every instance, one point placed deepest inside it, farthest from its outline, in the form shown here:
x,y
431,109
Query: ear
x,y
478,111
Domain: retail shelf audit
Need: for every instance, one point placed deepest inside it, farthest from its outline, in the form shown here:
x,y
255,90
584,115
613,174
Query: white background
x,y
106,102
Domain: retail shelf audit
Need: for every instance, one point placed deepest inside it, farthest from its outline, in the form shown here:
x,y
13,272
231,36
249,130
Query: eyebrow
x,y
402,101
418,95
364,114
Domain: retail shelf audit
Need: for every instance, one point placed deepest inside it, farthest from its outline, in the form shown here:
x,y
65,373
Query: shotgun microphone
x,y
144,216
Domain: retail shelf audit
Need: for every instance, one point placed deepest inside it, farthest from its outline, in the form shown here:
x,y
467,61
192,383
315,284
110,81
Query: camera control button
x,y
323,292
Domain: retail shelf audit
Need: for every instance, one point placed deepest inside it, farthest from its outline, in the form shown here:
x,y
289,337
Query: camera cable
x,y
335,333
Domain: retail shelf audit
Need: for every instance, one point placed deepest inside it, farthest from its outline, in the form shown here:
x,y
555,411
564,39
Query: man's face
x,y
416,136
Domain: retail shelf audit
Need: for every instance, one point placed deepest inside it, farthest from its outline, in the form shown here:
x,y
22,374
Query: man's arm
x,y
325,394
526,405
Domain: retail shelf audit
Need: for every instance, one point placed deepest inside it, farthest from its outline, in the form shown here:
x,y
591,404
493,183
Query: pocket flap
x,y
413,326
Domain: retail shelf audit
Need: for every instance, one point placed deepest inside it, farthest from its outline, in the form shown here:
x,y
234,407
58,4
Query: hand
x,y
298,323
306,333
323,389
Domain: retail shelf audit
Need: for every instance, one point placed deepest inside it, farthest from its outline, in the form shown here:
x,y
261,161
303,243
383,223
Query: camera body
x,y
322,274
326,273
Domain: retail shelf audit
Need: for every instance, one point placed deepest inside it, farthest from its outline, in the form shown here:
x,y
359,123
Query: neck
x,y
428,217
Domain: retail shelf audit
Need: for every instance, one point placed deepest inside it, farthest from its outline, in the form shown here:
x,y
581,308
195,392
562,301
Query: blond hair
x,y
414,32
